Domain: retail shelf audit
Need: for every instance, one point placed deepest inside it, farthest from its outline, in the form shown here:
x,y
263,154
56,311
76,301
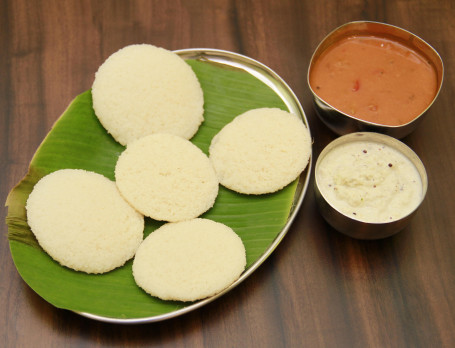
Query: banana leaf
x,y
78,140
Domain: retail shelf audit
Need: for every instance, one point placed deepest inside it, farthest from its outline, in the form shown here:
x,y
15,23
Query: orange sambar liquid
x,y
374,79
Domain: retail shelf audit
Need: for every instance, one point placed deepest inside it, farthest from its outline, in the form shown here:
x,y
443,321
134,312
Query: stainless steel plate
x,y
270,78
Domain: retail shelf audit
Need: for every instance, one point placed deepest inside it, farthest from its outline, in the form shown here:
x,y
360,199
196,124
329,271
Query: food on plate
x,y
375,79
166,178
260,151
369,181
80,219
189,260
143,89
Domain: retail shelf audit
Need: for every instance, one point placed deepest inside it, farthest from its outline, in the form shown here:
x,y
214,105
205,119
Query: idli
x,y
260,151
80,219
166,178
189,260
143,89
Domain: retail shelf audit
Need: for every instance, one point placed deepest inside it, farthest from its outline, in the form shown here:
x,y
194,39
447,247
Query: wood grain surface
x,y
319,288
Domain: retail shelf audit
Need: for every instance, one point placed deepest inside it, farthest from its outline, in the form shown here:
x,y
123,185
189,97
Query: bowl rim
x,y
390,141
439,68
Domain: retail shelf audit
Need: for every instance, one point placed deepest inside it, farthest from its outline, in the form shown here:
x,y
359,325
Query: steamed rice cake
x,y
260,151
142,89
80,219
166,178
189,260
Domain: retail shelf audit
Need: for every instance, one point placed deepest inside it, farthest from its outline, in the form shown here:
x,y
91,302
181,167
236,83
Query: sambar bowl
x,y
369,185
344,120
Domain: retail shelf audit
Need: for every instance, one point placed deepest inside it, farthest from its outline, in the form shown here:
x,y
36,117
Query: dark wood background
x,y
319,288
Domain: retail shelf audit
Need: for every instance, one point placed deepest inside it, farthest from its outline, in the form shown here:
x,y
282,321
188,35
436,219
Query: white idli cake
x,y
166,178
260,151
80,219
143,89
189,260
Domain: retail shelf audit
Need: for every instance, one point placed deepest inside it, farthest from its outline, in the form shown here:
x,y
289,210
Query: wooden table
x,y
319,288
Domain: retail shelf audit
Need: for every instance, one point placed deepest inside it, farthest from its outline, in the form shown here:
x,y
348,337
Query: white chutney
x,y
369,181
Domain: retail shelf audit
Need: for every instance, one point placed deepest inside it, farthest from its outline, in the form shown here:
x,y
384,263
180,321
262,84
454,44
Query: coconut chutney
x,y
369,181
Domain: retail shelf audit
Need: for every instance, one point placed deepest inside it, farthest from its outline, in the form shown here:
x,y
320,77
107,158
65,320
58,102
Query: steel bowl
x,y
342,123
356,228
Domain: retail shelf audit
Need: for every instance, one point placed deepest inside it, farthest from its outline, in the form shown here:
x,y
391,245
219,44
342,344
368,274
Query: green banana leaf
x,y
78,140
